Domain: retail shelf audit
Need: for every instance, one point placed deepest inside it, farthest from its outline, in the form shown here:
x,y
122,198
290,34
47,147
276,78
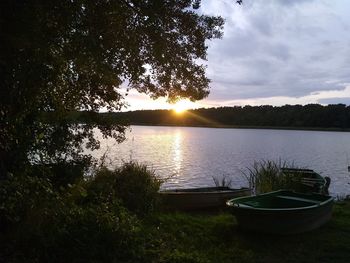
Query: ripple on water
x,y
190,157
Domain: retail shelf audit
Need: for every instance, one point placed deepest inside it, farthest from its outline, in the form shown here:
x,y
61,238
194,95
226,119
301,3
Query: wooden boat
x,y
200,198
309,180
282,212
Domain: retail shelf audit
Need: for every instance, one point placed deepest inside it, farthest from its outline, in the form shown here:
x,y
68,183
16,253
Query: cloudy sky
x,y
275,52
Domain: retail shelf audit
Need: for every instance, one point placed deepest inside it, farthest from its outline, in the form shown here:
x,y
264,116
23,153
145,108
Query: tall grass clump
x,y
134,184
266,176
223,181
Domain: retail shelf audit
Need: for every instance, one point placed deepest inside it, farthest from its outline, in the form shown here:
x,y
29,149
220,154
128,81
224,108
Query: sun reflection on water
x,y
177,153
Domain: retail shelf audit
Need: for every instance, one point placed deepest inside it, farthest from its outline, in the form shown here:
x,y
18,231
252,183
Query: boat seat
x,y
251,203
298,199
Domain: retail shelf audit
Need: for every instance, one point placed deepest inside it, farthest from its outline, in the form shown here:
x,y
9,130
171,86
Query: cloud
x,y
292,2
279,48
345,101
277,52
322,97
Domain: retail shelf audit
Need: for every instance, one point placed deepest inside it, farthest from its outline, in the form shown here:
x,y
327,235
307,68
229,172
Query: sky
x,y
274,52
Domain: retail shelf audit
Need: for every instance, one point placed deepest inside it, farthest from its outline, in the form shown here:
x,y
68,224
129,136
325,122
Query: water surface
x,y
190,157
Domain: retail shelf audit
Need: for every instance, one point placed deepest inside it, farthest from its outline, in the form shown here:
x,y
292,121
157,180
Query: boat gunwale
x,y
247,207
179,192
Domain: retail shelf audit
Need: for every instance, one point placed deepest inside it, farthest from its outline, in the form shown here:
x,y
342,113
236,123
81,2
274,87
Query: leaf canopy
x,y
67,55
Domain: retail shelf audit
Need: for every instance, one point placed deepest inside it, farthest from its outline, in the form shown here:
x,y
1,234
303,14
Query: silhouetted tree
x,y
66,55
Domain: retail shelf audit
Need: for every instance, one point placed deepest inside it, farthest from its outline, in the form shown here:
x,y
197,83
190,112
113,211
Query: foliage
x,y
134,184
62,56
312,116
266,176
25,199
60,174
40,223
87,223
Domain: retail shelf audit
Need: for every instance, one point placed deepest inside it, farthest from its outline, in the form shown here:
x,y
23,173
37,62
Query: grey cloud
x,y
292,2
280,51
345,101
262,25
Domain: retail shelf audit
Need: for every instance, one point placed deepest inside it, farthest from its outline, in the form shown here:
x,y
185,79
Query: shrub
x,y
138,188
104,232
25,198
60,174
41,224
133,183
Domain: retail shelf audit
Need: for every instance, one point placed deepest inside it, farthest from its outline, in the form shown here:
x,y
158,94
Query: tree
x,y
65,55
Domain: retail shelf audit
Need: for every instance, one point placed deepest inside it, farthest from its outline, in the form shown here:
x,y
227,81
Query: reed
x,y
222,181
266,176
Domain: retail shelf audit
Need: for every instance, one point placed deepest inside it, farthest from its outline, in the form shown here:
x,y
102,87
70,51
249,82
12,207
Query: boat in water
x,y
200,198
282,212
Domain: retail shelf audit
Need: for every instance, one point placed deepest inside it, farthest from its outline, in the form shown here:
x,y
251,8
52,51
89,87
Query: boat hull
x,y
283,220
200,198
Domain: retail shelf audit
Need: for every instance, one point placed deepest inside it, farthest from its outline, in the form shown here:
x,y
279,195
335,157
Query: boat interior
x,y
282,199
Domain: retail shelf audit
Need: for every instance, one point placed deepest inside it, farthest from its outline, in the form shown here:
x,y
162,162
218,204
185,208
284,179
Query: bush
x,y
138,188
61,174
42,224
25,199
92,220
103,232
133,183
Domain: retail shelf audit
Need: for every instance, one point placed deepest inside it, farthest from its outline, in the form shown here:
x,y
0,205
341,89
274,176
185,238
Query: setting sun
x,y
183,105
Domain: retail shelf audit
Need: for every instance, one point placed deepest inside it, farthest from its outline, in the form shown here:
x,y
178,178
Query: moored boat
x,y
282,212
309,180
200,198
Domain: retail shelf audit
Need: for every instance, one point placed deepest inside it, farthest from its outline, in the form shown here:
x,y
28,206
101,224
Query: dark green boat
x,y
282,212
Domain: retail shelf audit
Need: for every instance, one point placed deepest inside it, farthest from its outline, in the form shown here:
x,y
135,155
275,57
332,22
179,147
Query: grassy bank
x,y
116,216
216,238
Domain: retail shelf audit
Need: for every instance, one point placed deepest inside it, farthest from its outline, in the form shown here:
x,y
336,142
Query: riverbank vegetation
x,y
269,175
96,219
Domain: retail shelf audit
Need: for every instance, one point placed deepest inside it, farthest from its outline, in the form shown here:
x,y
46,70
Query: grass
x,y
223,181
114,217
179,237
267,175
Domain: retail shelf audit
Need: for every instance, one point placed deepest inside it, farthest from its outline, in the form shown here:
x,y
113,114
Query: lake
x,y
191,157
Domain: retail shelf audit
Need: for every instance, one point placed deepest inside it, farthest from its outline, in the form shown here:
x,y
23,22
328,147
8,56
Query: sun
x,y
182,106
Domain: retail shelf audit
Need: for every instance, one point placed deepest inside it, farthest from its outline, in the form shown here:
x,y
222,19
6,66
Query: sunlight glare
x,y
183,105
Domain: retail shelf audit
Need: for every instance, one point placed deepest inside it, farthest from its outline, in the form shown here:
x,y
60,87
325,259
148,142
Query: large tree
x,y
60,56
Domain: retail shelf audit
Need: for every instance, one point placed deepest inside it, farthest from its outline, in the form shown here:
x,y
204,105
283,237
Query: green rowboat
x,y
282,212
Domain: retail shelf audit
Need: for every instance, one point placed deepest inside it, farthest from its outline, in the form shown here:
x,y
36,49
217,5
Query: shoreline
x,y
248,127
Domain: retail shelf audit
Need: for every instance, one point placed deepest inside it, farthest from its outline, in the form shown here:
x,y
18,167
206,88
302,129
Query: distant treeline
x,y
290,116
